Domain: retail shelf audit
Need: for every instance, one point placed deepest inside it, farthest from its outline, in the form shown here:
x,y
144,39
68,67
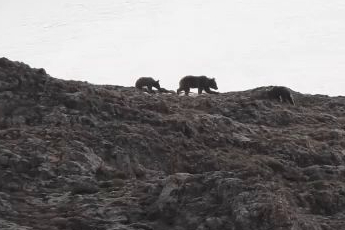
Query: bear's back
x,y
144,81
281,93
193,81
277,91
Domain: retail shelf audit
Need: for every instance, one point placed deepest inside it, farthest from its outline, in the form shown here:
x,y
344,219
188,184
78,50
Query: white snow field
x,y
242,43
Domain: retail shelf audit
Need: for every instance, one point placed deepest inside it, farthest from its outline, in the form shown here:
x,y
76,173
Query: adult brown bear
x,y
280,93
200,82
148,82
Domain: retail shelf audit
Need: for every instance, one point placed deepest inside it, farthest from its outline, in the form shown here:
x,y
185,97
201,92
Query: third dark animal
x,y
281,93
200,82
148,82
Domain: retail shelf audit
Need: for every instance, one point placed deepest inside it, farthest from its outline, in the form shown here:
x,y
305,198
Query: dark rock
x,y
84,188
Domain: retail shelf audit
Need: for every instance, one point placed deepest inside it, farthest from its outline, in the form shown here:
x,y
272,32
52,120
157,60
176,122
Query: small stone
x,y
84,188
213,223
4,161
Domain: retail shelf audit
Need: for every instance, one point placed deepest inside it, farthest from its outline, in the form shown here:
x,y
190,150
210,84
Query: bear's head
x,y
213,84
156,85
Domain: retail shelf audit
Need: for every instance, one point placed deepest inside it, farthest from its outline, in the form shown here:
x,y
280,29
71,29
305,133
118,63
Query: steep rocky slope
x,y
78,156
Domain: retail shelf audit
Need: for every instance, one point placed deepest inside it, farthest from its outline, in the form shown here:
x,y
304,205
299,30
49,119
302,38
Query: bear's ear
x,y
157,81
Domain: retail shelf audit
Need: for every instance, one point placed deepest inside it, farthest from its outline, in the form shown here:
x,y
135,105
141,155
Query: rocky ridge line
x,y
79,156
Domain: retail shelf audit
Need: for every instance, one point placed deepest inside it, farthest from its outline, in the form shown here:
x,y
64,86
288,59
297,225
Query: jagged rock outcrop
x,y
80,156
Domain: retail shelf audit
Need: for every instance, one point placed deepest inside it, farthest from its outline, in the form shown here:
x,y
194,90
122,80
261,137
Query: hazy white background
x,y
242,43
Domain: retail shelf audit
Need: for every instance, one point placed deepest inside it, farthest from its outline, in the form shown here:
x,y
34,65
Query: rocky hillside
x,y
77,156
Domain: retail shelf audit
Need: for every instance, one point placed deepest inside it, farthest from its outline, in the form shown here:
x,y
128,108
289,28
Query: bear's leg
x,y
186,91
286,99
150,89
199,90
290,99
178,91
281,99
145,90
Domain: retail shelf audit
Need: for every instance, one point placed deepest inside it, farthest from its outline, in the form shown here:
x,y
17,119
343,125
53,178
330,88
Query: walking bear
x,y
148,82
281,93
200,82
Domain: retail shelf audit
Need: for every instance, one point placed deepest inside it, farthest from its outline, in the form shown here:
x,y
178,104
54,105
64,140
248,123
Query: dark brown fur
x,y
148,82
281,93
200,82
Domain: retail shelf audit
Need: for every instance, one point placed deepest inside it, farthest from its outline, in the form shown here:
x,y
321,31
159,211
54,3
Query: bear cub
x,y
148,82
281,93
200,82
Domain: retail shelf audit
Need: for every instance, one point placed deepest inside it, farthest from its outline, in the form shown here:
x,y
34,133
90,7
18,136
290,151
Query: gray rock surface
x,y
78,156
